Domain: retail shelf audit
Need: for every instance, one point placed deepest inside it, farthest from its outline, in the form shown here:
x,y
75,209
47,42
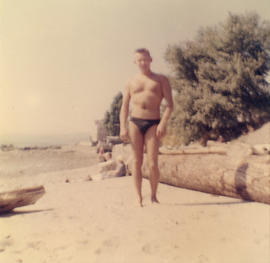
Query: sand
x,y
99,221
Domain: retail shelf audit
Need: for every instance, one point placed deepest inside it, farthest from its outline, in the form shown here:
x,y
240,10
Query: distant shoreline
x,y
28,140
28,161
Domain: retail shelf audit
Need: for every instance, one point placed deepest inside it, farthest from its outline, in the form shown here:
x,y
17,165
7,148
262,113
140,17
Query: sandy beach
x,y
86,221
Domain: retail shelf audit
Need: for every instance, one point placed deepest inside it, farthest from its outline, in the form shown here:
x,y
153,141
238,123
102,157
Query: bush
x,y
111,119
220,80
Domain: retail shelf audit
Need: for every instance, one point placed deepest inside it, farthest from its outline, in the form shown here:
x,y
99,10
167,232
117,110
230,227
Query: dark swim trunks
x,y
143,124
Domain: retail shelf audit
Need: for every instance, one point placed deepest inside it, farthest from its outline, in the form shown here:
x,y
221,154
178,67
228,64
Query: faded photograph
x,y
134,131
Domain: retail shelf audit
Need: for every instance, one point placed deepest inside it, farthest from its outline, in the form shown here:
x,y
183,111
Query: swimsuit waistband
x,y
140,119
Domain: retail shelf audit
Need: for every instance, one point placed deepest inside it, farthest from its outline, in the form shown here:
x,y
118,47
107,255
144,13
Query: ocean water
x,y
43,140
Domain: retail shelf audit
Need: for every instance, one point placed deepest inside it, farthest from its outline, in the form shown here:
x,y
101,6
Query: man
x,y
145,91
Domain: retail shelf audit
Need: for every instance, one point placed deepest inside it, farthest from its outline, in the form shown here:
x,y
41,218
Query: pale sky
x,y
63,61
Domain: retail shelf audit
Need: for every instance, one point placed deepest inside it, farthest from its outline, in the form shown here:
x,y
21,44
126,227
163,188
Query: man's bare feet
x,y
154,199
140,202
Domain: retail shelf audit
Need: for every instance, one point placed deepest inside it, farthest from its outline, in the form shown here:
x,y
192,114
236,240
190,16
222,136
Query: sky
x,y
63,61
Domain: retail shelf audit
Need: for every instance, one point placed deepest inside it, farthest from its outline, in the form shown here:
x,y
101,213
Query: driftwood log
x,y
235,171
17,198
113,140
248,179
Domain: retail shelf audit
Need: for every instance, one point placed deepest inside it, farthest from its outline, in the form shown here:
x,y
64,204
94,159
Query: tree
x,y
220,80
111,119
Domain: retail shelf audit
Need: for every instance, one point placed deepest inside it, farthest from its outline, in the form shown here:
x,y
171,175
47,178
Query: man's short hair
x,y
143,51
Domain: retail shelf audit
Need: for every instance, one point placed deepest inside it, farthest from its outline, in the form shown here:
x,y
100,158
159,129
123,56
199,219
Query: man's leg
x,y
137,143
152,146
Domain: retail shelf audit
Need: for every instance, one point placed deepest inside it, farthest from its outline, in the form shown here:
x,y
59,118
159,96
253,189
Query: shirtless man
x,y
145,91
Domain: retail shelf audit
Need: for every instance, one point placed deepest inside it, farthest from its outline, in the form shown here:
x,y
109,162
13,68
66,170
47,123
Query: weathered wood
x,y
22,197
232,170
248,179
194,151
113,140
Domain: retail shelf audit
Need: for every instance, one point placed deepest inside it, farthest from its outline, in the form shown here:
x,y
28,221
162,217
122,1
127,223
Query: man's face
x,y
143,61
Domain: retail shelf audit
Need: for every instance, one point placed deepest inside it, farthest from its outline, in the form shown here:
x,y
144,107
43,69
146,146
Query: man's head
x,y
142,59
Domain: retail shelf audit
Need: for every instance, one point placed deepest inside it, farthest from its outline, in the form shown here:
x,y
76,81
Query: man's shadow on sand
x,y
24,212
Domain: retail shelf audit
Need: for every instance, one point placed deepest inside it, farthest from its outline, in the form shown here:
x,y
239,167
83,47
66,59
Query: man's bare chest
x,y
146,86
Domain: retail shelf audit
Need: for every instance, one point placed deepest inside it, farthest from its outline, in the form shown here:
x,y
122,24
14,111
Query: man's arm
x,y
167,93
124,114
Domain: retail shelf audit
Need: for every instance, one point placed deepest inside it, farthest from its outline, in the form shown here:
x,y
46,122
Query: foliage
x,y
111,119
220,80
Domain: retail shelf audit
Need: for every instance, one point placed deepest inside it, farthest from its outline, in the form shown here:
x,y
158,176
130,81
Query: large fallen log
x,y
22,197
247,178
234,170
